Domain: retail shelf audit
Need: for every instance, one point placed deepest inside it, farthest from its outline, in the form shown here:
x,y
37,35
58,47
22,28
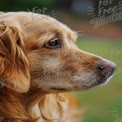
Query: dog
x,y
39,63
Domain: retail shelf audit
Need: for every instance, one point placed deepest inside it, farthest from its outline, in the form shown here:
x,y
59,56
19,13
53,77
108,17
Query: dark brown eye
x,y
53,44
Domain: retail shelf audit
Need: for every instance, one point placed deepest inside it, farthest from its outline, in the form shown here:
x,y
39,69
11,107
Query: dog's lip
x,y
58,89
102,81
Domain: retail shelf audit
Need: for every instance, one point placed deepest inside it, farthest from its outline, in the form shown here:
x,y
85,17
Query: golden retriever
x,y
39,61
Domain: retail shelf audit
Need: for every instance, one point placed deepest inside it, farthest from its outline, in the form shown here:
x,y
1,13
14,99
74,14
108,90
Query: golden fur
x,y
32,76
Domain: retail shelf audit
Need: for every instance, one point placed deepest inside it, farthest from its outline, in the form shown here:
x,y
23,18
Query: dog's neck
x,y
35,104
11,106
48,106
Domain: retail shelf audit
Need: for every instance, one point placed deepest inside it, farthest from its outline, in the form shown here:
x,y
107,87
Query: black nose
x,y
107,68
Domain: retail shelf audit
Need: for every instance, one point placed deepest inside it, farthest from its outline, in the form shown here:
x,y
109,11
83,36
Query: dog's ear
x,y
14,72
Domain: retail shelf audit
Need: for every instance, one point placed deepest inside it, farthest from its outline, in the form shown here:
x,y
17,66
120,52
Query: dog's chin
x,y
106,81
55,89
101,82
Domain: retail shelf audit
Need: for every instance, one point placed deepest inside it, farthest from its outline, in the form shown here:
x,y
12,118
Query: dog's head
x,y
55,62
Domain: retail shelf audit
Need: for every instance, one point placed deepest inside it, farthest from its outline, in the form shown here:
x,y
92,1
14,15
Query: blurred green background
x,y
103,103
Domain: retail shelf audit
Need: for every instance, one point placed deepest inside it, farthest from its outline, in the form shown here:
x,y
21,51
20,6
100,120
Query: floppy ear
x,y
15,68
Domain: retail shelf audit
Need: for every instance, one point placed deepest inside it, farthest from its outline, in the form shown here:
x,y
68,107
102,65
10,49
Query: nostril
x,y
107,68
101,67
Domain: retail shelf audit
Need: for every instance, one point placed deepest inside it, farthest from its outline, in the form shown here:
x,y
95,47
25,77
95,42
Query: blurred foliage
x,y
17,5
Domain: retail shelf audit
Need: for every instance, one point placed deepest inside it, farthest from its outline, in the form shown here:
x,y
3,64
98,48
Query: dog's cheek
x,y
51,65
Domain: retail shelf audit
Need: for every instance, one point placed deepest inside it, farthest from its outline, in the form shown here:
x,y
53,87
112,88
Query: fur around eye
x,y
53,44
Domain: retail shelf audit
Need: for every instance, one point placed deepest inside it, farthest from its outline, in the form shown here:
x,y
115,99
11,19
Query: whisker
x,y
91,12
93,16
91,8
80,33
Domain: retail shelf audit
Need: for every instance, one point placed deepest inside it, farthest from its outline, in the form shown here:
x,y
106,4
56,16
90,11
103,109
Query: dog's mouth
x,y
101,75
104,79
101,79
58,89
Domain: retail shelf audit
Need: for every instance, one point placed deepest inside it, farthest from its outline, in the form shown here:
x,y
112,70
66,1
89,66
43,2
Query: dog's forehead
x,y
49,24
39,23
44,23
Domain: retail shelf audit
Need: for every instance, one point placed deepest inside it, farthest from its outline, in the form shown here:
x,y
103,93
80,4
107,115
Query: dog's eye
x,y
54,43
